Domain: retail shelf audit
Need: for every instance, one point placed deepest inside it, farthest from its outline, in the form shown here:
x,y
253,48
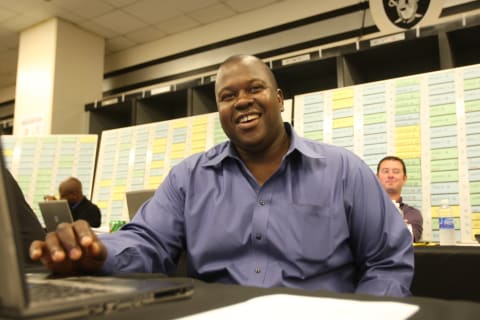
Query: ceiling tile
x,y
16,6
20,22
119,21
67,4
119,3
246,5
212,13
98,29
61,13
193,5
6,14
177,24
42,13
119,43
143,10
42,10
145,35
87,9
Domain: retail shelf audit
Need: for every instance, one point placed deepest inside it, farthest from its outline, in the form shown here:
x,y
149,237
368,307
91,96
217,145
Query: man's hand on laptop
x,y
71,249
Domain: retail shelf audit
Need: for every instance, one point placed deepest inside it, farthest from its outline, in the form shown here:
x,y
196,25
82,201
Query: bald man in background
x,y
81,208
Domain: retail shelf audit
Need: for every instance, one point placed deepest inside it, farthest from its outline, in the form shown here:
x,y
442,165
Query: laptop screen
x,y
13,293
136,198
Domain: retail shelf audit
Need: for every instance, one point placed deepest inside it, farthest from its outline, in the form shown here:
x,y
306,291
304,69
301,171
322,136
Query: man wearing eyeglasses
x,y
392,174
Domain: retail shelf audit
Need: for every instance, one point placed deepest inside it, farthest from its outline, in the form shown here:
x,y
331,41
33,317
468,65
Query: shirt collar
x,y
73,206
302,145
219,153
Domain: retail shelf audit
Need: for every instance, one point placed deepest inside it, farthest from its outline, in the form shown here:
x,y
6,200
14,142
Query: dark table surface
x,y
447,272
445,286
208,296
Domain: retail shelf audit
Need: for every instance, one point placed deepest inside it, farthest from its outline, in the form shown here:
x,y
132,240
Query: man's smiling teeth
x,y
248,117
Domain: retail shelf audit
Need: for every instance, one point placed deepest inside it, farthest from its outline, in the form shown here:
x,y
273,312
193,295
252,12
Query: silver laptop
x,y
136,198
38,296
55,212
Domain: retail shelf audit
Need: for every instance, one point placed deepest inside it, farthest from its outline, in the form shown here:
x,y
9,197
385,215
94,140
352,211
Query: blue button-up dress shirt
x,y
322,221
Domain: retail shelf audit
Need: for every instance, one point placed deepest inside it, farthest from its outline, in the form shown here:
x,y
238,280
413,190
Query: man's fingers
x,y
37,249
63,243
71,249
53,248
85,235
89,241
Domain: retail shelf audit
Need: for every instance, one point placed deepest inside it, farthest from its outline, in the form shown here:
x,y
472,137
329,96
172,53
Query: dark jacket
x,y
86,210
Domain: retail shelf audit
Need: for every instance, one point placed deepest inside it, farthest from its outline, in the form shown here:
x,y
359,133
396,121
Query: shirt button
x,y
262,202
258,236
257,270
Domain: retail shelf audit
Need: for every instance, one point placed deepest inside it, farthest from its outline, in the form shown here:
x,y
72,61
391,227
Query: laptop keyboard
x,y
48,291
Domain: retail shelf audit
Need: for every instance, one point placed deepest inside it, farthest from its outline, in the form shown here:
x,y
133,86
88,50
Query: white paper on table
x,y
101,230
284,306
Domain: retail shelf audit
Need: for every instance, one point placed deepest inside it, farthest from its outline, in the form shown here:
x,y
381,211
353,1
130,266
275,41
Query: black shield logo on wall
x,y
405,14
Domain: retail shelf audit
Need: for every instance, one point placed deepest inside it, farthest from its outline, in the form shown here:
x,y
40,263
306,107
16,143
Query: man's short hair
x,y
394,158
240,57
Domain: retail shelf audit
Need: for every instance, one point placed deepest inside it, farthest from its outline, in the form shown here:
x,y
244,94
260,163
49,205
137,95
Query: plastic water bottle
x,y
446,224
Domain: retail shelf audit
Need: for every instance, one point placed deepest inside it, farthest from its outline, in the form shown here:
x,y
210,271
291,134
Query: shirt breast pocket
x,y
311,232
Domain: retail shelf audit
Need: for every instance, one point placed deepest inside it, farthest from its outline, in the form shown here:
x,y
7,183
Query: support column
x,y
60,69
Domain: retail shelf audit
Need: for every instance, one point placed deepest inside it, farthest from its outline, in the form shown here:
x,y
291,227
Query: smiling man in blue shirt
x,y
267,208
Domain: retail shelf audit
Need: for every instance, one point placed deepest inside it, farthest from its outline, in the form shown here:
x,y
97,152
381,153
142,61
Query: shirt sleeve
x,y
380,240
154,239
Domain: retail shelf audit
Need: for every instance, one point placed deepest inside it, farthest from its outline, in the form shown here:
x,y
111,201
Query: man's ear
x,y
280,98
